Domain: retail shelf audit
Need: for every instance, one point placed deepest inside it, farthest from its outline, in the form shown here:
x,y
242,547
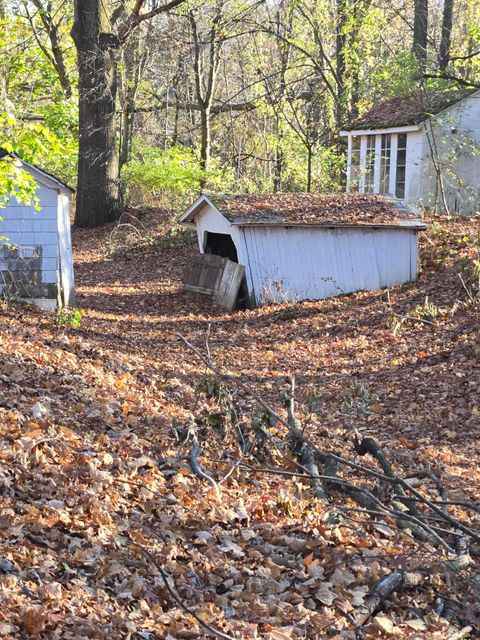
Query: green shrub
x,y
69,317
164,178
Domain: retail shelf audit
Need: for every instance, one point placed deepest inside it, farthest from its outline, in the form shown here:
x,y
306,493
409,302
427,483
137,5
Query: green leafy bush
x,y
70,317
169,178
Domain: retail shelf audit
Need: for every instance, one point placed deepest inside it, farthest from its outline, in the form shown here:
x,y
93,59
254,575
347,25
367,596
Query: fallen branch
x,y
300,447
324,456
198,470
384,588
212,630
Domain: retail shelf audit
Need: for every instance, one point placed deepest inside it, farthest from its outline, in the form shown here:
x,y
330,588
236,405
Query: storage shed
x,y
36,262
423,148
306,246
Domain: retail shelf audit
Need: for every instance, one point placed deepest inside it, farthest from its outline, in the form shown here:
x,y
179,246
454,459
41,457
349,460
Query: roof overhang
x,y
413,225
188,218
363,132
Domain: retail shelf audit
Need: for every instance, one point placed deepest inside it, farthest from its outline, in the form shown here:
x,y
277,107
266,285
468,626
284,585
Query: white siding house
x,y
305,246
421,148
36,261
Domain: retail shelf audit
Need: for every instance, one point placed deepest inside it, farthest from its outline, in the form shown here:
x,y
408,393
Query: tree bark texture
x,y
447,22
98,195
420,31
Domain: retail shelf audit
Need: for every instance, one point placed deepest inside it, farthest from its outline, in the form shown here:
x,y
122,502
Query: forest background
x,y
237,96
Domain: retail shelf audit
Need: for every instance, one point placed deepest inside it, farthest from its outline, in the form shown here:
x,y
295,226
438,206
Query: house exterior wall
x,y
292,263
451,145
448,143
67,282
35,242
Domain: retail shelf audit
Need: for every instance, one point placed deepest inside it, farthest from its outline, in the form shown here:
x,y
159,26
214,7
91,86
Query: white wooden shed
x,y
36,262
306,246
423,148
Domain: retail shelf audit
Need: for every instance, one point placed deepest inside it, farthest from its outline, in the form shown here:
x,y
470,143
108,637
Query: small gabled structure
x,y
36,262
309,246
423,148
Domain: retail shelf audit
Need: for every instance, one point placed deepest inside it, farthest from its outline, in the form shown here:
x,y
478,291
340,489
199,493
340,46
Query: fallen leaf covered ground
x,y
97,491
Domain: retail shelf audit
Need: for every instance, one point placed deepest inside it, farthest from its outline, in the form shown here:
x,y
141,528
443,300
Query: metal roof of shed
x,y
304,209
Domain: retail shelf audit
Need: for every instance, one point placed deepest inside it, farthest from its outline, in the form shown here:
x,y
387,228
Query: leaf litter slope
x,y
93,463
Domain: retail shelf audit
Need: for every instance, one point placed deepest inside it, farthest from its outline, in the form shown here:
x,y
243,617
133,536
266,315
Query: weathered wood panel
x,y
215,276
204,273
230,283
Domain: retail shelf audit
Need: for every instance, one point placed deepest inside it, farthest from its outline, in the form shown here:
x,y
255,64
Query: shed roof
x,y
408,109
308,209
7,154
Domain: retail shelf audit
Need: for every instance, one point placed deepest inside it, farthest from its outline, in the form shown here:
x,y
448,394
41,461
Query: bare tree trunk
x,y
341,43
135,55
98,195
278,165
56,58
205,82
205,140
420,31
309,169
447,21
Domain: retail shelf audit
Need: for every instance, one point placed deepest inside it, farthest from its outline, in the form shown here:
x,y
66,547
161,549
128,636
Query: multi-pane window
x,y
355,164
401,165
385,159
370,165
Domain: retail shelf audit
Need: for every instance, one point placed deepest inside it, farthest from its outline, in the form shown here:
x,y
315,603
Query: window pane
x,y
355,164
400,190
401,165
370,164
385,163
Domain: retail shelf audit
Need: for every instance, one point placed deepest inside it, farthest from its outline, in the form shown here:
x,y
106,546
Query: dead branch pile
x,y
375,494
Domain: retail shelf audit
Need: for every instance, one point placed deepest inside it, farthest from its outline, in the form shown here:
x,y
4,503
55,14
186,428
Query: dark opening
x,y
221,244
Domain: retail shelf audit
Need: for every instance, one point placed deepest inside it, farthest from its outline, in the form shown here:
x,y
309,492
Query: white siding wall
x,y
456,136
65,249
413,170
210,220
25,227
307,263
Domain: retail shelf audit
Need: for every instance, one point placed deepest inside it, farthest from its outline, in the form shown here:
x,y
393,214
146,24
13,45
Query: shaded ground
x,y
85,411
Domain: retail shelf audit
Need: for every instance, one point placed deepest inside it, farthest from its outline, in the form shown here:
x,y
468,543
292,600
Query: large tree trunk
x,y
420,31
447,21
98,195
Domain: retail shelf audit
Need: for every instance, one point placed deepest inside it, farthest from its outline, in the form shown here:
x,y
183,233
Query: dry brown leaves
x,y
91,460
312,208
